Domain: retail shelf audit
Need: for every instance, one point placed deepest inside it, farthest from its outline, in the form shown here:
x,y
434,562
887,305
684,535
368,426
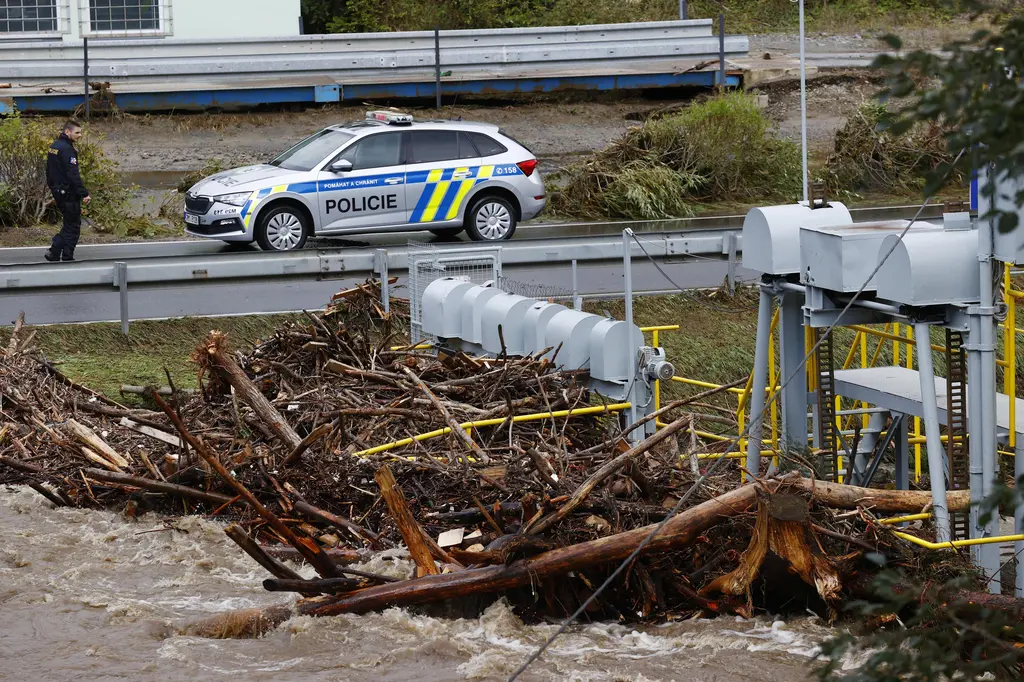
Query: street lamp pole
x,y
803,101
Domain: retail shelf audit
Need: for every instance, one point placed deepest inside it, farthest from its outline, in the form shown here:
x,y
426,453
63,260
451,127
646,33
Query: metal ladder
x,y
956,446
828,465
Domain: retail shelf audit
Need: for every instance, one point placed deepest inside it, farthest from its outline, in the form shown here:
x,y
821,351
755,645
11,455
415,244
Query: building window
x,y
28,16
124,16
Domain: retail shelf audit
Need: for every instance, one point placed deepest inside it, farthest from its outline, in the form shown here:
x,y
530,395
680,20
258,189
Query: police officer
x,y
69,192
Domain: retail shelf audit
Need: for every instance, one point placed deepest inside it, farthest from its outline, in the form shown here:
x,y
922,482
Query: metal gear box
x,y
568,333
842,257
930,269
771,234
612,343
442,307
504,318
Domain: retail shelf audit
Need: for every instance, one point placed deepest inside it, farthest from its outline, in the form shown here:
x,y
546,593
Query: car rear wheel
x,y
447,231
491,219
281,228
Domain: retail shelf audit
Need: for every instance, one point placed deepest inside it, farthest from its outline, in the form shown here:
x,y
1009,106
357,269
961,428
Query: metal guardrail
x,y
258,282
191,74
371,55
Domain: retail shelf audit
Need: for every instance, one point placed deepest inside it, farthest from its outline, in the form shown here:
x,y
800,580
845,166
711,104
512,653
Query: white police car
x,y
387,173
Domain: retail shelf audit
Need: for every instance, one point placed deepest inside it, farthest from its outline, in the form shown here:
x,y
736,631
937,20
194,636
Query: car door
x,y
441,167
371,193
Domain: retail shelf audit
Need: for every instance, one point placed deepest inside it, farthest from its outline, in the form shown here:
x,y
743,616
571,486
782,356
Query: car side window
x,y
375,151
467,150
432,146
486,145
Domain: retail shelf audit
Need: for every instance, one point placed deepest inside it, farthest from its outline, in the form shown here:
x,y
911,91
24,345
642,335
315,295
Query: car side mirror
x,y
341,166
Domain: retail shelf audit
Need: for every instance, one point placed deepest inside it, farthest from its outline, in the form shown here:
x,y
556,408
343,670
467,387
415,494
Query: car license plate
x,y
191,219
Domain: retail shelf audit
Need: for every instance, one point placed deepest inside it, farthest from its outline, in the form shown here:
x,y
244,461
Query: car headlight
x,y
236,199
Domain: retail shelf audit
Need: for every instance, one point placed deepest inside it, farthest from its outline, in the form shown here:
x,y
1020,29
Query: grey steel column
x,y
974,425
437,65
631,352
721,51
381,258
988,555
684,10
759,385
868,442
932,433
791,355
1018,515
902,454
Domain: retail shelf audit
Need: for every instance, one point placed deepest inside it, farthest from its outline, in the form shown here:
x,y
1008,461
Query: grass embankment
x,y
100,357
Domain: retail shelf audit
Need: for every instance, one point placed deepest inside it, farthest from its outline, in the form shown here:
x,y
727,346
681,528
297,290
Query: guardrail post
x,y
684,10
381,258
730,246
437,64
721,51
577,300
121,282
85,75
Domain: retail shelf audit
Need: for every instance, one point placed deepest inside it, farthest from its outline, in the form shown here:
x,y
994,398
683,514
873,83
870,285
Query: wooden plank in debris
x,y
95,443
151,432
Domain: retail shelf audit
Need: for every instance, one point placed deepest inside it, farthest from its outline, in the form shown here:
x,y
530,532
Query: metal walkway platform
x,y
899,390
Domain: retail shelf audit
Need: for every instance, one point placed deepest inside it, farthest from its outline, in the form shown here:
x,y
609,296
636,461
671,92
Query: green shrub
x,y
867,157
25,199
722,149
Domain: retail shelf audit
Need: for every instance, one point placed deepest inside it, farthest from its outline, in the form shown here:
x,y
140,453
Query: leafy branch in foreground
x,y
971,88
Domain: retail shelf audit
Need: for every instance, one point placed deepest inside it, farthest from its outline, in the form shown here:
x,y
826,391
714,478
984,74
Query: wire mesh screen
x,y
428,263
541,292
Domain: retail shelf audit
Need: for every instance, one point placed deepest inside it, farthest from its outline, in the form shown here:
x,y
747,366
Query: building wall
x,y
235,18
180,19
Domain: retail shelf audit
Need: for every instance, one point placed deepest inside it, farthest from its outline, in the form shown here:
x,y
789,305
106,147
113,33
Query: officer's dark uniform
x,y
68,190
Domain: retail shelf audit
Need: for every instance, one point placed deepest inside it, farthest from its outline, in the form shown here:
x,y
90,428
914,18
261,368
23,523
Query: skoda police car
x,y
387,173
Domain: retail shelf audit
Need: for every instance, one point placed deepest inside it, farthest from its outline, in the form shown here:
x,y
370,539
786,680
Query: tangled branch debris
x,y
280,442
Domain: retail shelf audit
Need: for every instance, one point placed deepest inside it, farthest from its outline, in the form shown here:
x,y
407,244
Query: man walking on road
x,y
69,192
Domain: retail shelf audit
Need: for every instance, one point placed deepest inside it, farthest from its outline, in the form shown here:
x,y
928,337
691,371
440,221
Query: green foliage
x,y
869,156
25,198
929,633
722,149
973,90
350,16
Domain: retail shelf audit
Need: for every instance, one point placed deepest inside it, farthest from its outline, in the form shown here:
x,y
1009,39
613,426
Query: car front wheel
x,y
491,219
282,228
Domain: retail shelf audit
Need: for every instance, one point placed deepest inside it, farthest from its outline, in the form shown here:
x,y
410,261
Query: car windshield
x,y
307,154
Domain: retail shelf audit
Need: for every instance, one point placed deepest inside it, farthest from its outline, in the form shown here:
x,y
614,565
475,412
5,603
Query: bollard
x,y
381,258
121,280
85,75
437,65
684,10
721,51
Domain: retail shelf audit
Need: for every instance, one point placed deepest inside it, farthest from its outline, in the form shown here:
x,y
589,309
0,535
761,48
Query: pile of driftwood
x,y
281,442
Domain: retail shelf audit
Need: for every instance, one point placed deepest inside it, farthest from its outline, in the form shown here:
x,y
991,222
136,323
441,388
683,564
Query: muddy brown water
x,y
93,595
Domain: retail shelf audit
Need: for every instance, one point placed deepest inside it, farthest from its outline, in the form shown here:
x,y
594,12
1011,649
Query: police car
x,y
387,173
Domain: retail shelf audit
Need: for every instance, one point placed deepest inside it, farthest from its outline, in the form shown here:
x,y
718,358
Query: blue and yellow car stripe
x,y
444,189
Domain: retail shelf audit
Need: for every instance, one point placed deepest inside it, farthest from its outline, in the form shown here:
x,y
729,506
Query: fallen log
x,y
842,496
246,390
252,548
411,531
679,531
156,486
339,522
341,557
95,443
454,425
307,587
783,528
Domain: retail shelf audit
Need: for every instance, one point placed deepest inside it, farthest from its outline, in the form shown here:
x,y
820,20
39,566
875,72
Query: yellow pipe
x,y
661,328
657,383
704,384
904,519
730,455
958,543
712,436
1010,352
897,344
891,336
421,346
617,407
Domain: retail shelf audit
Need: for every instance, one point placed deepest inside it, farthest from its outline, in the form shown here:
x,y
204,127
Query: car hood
x,y
244,179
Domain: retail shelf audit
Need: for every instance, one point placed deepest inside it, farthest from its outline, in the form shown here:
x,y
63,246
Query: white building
x,y
70,20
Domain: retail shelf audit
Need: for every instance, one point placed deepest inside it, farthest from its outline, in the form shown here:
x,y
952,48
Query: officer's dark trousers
x,y
65,241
